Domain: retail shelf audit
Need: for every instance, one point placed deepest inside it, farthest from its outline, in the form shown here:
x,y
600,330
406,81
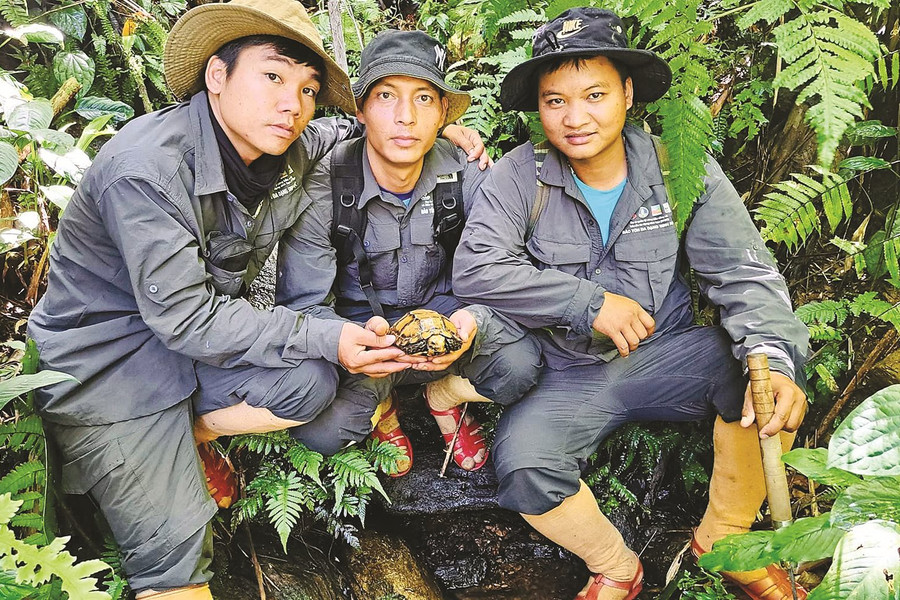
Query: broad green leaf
x,y
812,463
867,442
877,498
35,114
866,132
58,194
58,141
36,33
740,552
95,129
864,163
866,565
807,539
20,384
9,161
74,64
71,20
70,165
91,107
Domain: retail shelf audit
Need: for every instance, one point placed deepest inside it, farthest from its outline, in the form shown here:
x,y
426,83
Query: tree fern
x,y
351,468
827,311
383,455
261,443
870,304
22,477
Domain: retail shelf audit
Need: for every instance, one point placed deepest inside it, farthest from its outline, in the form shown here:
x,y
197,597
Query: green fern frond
x,y
870,304
789,212
686,133
350,468
23,476
306,461
261,443
15,12
828,54
888,70
25,434
525,15
383,455
286,499
827,311
764,10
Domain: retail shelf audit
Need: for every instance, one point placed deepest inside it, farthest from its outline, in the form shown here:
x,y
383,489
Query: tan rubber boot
x,y
578,526
737,488
193,592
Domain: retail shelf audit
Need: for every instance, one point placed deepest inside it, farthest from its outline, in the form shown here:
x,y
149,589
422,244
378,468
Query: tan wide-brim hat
x,y
201,31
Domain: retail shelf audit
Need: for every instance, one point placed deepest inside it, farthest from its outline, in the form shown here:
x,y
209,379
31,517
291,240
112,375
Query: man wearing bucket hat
x,y
385,217
163,235
575,238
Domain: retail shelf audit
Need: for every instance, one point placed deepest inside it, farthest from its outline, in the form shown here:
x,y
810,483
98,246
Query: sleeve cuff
x,y
316,338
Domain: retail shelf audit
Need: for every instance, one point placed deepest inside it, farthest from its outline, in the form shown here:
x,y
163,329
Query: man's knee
x,y
512,371
188,564
346,420
536,490
303,392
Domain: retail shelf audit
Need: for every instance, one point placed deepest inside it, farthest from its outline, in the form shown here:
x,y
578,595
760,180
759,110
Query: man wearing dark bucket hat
x,y
163,235
385,217
576,239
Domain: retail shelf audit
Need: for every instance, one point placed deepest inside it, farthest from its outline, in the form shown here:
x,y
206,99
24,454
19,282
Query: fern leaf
x,y
687,133
525,15
15,12
284,504
764,10
828,55
306,461
21,477
826,311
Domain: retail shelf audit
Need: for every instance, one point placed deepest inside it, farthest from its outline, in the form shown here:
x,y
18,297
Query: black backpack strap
x,y
348,224
542,193
449,213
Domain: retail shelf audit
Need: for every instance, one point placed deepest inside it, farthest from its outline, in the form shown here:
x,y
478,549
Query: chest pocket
x,y
382,237
645,268
561,256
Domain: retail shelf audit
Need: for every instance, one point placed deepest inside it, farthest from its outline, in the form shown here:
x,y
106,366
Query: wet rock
x,y
306,573
384,567
262,289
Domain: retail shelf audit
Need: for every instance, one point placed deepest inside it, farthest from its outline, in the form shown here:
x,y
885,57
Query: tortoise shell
x,y
425,332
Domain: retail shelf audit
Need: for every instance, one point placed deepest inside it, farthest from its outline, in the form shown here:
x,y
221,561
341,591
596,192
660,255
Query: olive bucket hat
x,y
414,54
584,32
201,31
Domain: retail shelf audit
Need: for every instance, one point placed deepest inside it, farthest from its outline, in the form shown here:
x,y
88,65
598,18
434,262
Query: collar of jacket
x,y
643,169
209,173
443,159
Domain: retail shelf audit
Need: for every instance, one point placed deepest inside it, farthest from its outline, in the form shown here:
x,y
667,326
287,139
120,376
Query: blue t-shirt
x,y
404,198
601,203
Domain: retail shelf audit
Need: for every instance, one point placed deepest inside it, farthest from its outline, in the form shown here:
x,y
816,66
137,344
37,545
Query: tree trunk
x,y
337,33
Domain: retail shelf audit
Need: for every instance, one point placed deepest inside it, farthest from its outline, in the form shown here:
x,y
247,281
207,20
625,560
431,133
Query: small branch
x,y
253,557
880,348
31,296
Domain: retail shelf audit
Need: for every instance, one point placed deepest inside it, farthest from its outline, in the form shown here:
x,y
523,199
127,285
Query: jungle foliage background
x,y
797,99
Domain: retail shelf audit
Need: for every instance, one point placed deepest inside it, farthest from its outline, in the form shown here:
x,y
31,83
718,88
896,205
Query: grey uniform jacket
x,y
555,280
409,268
131,301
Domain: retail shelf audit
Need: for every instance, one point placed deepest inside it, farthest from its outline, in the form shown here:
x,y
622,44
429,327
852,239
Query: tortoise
x,y
425,332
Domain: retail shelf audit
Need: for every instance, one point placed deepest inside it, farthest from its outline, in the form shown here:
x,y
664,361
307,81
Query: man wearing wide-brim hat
x,y
393,203
576,239
144,303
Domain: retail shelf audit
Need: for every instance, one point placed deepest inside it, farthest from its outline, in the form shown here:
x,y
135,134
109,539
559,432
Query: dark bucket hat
x,y
584,32
414,54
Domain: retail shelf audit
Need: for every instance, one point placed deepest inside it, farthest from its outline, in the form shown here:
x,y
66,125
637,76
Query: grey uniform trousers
x,y
502,376
147,479
542,440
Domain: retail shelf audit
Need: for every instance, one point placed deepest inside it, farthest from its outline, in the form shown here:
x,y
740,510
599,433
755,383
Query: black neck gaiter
x,y
249,183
